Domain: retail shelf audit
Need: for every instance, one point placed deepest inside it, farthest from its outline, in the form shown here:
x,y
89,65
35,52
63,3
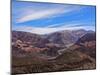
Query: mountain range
x,y
58,51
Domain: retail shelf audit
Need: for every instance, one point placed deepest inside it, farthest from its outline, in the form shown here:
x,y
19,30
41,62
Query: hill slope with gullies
x,y
58,51
88,44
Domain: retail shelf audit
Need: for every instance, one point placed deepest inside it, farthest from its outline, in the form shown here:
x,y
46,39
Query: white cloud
x,y
50,30
54,25
44,13
68,24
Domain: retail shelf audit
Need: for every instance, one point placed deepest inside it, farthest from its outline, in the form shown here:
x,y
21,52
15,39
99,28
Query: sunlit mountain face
x,y
48,37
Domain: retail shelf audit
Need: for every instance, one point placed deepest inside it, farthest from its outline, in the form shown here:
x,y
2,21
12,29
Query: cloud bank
x,y
47,30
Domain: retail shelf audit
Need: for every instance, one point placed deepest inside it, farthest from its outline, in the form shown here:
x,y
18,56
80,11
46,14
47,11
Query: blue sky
x,y
44,18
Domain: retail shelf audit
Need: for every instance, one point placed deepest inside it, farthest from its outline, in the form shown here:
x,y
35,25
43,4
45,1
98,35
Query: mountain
x,y
79,33
29,38
63,38
25,36
91,36
50,44
59,51
66,37
87,44
73,60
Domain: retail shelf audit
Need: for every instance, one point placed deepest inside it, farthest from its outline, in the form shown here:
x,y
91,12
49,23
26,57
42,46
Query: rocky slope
x,y
59,51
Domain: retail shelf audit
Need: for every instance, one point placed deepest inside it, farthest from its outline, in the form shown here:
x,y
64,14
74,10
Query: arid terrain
x,y
59,51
